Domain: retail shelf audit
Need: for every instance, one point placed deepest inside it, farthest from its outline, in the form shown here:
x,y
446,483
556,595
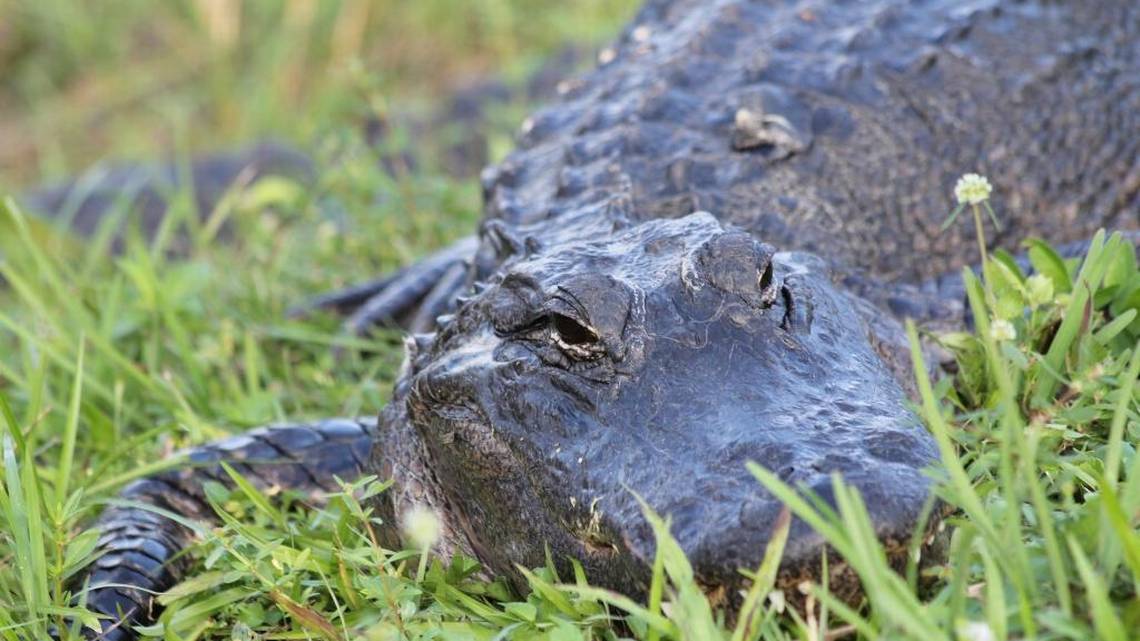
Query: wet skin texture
x,y
658,361
603,333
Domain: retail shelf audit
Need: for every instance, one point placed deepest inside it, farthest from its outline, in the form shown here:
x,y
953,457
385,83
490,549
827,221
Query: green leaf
x,y
549,592
80,552
522,611
1076,314
197,584
10,423
1049,263
664,626
1121,265
1009,299
1114,327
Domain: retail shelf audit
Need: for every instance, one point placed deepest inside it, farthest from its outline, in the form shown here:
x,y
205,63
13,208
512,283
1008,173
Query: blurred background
x,y
382,113
84,81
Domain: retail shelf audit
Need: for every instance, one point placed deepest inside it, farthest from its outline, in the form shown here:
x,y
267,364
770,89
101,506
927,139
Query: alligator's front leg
x,y
141,548
411,297
415,296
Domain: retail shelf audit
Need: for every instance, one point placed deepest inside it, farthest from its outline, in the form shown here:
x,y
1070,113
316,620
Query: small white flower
x,y
422,527
975,631
776,597
1002,330
972,189
1040,289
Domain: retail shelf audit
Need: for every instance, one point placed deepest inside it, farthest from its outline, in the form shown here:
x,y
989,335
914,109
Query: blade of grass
x,y
970,501
664,626
801,508
656,589
1107,623
1126,535
13,427
254,495
995,595
1115,448
63,471
764,579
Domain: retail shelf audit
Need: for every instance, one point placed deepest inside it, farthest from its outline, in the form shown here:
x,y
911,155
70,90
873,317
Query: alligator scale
x,y
700,256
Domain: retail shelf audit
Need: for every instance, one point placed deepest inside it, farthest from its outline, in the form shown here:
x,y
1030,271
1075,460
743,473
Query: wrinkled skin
x,y
603,336
657,362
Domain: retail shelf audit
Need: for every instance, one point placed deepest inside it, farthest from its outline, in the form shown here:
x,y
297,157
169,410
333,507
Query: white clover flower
x,y
975,631
422,527
972,189
776,597
1040,289
1002,330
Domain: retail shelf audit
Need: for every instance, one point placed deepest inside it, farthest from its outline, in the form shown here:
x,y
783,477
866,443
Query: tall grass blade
x,y
63,469
1108,625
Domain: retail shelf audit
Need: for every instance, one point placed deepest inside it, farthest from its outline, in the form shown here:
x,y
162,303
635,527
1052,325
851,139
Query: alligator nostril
x,y
737,263
798,310
767,290
766,275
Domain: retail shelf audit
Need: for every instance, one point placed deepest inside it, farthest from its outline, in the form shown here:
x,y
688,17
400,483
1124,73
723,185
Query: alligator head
x,y
658,361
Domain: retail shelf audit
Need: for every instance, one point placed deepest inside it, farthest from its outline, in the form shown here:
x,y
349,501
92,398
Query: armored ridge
x,y
839,128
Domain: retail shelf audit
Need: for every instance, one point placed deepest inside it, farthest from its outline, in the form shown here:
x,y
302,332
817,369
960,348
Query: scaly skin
x,y
142,548
610,338
886,103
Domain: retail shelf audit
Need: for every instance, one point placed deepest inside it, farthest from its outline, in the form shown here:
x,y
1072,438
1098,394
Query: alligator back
x,y
840,128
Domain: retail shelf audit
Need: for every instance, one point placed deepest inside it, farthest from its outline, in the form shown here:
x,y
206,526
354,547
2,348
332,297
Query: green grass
x,y
109,363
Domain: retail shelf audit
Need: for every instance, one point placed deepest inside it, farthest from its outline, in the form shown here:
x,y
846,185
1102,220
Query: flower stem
x,y
421,571
981,234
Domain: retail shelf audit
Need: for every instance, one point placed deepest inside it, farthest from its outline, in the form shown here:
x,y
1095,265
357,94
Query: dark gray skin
x,y
658,362
603,335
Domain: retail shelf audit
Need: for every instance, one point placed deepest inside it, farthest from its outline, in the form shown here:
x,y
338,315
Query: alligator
x,y
701,255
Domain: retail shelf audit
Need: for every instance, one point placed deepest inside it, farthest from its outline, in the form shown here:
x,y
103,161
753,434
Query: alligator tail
x,y
141,547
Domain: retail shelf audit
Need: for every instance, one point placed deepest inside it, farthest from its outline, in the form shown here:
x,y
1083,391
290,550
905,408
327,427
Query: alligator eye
x,y
570,332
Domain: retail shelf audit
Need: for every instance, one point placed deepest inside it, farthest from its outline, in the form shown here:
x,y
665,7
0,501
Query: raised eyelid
x,y
573,301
